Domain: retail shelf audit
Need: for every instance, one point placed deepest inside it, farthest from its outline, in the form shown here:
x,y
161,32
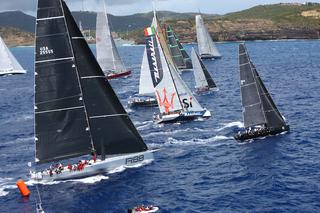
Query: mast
x,y
202,77
206,45
75,108
253,112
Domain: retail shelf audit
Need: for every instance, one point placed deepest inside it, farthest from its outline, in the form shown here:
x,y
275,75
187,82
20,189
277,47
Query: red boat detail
x,y
119,75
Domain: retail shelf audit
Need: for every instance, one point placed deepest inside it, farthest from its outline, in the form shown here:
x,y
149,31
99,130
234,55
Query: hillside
x,y
278,21
16,37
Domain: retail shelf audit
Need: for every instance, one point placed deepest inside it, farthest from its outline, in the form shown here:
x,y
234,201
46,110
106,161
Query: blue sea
x,y
200,167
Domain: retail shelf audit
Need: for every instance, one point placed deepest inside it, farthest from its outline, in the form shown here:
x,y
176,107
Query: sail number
x,y
135,159
187,103
45,51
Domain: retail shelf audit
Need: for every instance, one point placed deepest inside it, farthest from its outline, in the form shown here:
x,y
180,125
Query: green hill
x,y
278,21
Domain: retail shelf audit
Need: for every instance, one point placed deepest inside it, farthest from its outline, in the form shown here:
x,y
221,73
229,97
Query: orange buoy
x,y
24,191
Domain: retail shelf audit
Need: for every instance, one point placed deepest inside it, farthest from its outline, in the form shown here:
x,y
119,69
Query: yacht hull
x,y
12,72
248,135
141,102
208,56
99,167
181,117
119,75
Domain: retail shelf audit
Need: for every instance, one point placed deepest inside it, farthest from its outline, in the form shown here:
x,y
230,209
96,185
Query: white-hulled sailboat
x,y
146,96
107,52
176,102
8,63
76,109
207,49
203,79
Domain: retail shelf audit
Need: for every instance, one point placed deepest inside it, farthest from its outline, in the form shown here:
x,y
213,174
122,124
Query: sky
x,y
127,7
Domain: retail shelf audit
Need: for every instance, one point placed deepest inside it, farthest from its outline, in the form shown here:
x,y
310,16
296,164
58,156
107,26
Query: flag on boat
x,y
149,31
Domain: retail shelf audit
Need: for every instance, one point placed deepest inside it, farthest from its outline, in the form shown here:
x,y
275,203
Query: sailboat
x,y
179,54
175,101
203,79
146,96
107,52
76,110
8,63
261,116
206,47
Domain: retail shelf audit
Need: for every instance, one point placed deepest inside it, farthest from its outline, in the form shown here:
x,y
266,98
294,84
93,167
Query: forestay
x,y
205,43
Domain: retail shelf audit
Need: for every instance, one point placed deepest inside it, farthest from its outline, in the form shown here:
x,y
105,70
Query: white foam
x,y
6,183
144,125
238,124
198,141
87,180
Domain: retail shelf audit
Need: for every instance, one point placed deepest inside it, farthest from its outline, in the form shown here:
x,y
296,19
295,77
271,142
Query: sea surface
x,y
200,167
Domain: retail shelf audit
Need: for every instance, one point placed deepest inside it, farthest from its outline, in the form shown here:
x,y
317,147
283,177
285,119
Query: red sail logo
x,y
165,102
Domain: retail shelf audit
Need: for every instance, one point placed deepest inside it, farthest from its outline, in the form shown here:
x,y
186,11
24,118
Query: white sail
x,y
145,85
8,63
200,78
205,43
107,53
166,92
188,100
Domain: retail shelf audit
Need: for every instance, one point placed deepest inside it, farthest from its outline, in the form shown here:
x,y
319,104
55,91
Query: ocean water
x,y
200,167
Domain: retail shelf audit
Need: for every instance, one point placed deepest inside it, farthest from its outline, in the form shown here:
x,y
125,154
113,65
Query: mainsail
x,y
202,77
187,100
259,108
205,44
76,110
8,63
107,52
164,88
179,54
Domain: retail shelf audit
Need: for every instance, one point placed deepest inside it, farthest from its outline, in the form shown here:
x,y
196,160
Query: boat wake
x,y
238,124
5,184
152,134
87,180
199,141
144,125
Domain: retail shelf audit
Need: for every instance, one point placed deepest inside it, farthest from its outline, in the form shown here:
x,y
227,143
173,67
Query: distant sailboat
x,y
8,63
261,116
203,79
179,54
176,102
76,109
206,47
146,92
107,52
